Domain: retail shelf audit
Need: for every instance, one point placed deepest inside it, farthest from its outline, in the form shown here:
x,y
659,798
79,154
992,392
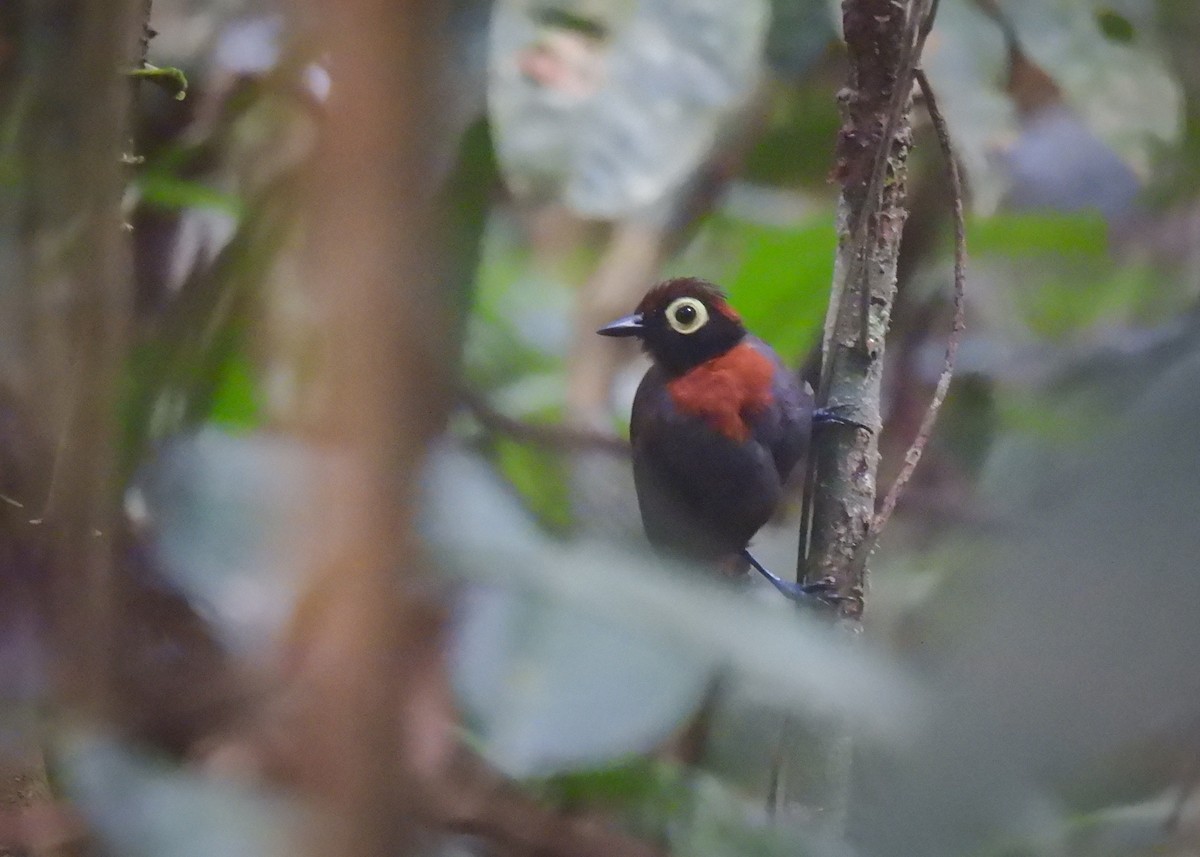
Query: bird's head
x,y
682,323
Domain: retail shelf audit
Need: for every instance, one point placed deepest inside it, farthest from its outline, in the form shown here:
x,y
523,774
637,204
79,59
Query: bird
x,y
718,424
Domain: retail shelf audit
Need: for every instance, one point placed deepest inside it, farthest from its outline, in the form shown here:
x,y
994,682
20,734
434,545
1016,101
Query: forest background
x,y
317,528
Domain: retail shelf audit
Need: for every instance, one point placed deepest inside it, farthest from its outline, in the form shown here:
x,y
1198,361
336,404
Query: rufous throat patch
x,y
727,389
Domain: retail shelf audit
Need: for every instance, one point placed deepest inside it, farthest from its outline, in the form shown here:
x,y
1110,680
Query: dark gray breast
x,y
701,493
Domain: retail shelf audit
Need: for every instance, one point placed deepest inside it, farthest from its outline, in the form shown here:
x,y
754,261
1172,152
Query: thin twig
x,y
913,456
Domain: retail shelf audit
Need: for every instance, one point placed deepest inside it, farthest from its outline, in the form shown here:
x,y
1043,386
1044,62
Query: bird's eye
x,y
687,315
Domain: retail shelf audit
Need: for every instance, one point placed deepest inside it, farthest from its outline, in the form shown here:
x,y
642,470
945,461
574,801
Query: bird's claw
x,y
825,591
830,414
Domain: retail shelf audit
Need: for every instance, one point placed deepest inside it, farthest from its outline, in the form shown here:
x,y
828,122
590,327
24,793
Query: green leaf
x,y
781,288
636,779
540,478
236,402
1115,27
183,360
163,190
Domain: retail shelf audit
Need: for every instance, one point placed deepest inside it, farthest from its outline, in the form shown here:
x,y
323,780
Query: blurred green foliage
x,y
780,284
540,478
1014,235
163,189
1058,279
797,145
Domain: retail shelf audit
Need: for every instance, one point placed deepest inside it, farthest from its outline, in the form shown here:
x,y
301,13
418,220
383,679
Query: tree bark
x,y
883,41
65,294
372,717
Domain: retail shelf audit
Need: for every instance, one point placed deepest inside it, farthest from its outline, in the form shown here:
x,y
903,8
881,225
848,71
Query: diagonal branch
x,y
556,438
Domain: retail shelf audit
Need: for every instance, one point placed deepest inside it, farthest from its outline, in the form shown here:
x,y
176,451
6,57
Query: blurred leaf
x,y
1010,234
215,508
1117,831
651,797
1116,27
785,655
540,478
519,321
797,146
967,62
461,491
180,365
140,806
637,780
692,811
164,190
719,823
236,402
551,687
496,354
1125,90
1113,295
1060,281
1060,676
800,34
568,658
780,284
464,201
594,136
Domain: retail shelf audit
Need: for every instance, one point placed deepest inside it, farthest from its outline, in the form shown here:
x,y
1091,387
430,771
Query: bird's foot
x,y
832,414
824,590
821,593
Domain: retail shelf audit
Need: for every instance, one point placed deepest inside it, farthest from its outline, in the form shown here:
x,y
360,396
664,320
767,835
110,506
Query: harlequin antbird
x,y
718,424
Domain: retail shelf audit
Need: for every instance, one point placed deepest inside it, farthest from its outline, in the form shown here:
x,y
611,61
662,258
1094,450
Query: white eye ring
x,y
694,312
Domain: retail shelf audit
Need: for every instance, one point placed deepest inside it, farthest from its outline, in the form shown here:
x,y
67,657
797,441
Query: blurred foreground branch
x,y
64,306
78,308
559,438
369,642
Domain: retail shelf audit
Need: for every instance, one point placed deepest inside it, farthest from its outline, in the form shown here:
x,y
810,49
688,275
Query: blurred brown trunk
x,y
375,714
64,305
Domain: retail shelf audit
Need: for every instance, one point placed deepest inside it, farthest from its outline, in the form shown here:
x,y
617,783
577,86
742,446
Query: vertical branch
x,y
913,457
75,306
883,38
380,393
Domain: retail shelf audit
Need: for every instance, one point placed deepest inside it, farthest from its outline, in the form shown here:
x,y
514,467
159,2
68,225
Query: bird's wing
x,y
785,429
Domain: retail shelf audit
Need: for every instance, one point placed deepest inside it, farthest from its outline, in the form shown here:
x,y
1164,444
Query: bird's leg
x,y
825,416
822,591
